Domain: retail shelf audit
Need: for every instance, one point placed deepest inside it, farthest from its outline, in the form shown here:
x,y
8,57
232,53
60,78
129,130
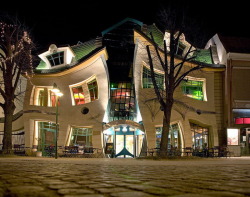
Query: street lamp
x,y
58,94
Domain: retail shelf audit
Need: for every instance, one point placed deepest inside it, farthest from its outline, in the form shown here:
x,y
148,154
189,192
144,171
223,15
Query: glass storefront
x,y
174,137
200,136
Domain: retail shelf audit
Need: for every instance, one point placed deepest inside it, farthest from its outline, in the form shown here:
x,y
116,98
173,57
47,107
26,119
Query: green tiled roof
x,y
83,49
80,50
41,65
157,34
203,55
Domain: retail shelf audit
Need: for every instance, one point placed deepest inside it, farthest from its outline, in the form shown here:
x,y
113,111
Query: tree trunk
x,y
165,129
8,118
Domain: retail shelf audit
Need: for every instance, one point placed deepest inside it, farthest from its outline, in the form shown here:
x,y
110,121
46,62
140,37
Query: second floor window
x,y
147,80
43,96
93,90
56,59
84,92
193,89
78,95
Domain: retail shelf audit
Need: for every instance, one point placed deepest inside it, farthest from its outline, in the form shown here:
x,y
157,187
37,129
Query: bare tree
x,y
15,59
175,19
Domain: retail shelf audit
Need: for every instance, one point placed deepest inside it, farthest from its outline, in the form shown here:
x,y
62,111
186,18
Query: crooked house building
x,y
108,98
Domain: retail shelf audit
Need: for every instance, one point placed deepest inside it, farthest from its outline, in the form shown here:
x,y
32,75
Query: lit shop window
x,y
78,95
242,120
199,136
43,96
193,89
232,136
81,137
147,80
174,139
56,58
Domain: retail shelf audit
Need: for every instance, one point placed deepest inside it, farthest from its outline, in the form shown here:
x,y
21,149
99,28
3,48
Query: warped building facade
x,y
108,98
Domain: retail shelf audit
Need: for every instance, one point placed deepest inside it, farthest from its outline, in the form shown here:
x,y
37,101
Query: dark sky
x,y
67,23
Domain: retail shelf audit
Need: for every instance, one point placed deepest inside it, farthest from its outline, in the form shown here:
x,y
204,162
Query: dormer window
x,y
180,49
56,59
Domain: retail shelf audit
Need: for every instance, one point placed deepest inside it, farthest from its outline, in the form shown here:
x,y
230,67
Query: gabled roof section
x,y
235,44
203,56
157,34
120,23
81,50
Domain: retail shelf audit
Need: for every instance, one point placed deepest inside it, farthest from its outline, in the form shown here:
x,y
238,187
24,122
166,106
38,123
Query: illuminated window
x,y
199,136
122,101
43,96
52,99
174,140
147,80
232,136
193,89
93,90
78,95
81,137
56,59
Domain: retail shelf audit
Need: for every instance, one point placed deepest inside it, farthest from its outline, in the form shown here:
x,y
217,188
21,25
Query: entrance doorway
x,y
46,138
123,141
245,141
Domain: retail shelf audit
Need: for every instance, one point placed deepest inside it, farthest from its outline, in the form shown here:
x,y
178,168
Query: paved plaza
x,y
104,177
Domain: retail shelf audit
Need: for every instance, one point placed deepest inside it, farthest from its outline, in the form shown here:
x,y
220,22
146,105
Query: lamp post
x,y
58,94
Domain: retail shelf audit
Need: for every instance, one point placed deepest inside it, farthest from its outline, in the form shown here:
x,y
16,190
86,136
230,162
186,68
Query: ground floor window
x,y
81,137
199,136
17,138
46,134
174,137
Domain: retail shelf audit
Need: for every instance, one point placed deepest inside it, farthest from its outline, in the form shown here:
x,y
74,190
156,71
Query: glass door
x,y
124,142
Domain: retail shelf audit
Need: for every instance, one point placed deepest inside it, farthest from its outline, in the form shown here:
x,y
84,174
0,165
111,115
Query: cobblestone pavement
x,y
103,177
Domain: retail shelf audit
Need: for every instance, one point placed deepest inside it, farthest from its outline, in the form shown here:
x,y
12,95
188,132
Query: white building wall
x,y
71,115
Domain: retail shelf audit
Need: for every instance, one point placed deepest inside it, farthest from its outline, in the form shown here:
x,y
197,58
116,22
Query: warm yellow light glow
x,y
59,94
55,90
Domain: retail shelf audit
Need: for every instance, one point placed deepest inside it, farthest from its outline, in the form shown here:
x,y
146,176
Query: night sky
x,y
67,23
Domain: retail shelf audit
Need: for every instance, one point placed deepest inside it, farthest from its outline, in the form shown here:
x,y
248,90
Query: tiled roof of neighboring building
x,y
235,44
80,50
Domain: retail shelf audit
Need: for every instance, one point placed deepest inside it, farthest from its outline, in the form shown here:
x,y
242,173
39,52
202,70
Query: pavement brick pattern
x,y
103,177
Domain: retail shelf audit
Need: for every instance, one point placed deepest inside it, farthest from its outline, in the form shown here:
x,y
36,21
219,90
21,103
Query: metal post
x,y
56,125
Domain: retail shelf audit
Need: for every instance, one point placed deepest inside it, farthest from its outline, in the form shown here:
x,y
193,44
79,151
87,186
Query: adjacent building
x,y
234,53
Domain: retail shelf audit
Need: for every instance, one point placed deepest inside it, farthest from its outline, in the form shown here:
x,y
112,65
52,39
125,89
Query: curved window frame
x,y
146,80
204,92
89,93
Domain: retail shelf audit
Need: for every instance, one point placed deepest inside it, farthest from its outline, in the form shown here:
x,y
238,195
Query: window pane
x,y
193,89
81,137
173,137
78,95
41,97
147,80
56,58
199,136
93,90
